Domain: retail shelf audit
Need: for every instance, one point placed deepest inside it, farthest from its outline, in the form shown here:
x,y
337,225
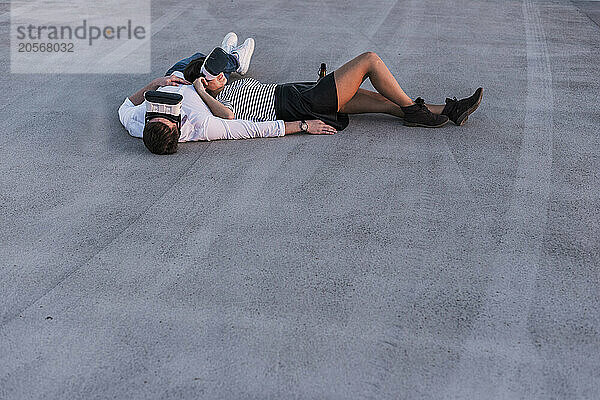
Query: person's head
x,y
161,136
214,84
193,71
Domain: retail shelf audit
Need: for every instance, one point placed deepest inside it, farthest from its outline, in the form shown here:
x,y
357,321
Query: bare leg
x,y
436,108
351,75
366,101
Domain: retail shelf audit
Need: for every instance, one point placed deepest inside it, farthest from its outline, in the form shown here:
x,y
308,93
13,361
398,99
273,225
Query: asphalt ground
x,y
382,262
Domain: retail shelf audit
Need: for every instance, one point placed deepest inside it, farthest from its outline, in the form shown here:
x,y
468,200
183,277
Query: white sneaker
x,y
229,42
244,53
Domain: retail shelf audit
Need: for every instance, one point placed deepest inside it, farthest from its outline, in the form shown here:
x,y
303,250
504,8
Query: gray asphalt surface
x,y
383,262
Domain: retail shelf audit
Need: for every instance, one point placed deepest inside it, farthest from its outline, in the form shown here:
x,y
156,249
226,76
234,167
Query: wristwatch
x,y
303,126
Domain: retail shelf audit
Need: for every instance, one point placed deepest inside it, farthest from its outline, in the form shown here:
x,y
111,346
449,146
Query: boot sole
x,y
416,124
465,116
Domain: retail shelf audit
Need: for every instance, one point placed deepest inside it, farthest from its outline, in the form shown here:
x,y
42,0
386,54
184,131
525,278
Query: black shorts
x,y
310,100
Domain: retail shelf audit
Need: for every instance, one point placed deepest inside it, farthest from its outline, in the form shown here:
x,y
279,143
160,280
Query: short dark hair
x,y
161,138
192,70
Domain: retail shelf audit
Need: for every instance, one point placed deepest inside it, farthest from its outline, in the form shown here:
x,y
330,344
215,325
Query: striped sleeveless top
x,y
250,99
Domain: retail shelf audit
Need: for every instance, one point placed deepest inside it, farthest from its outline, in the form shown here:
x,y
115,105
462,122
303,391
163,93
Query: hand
x,y
170,81
200,84
318,127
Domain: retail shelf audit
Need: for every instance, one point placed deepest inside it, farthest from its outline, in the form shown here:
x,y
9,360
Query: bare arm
x,y
138,97
315,127
218,109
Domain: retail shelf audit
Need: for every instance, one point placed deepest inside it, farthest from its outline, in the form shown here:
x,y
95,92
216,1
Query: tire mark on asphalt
x,y
371,31
500,332
379,382
426,212
162,22
401,36
7,319
388,347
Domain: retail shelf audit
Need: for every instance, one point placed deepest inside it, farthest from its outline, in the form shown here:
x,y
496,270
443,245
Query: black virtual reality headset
x,y
163,105
214,63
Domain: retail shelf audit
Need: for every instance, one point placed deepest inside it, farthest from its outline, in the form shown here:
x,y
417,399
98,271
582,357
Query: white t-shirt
x,y
197,121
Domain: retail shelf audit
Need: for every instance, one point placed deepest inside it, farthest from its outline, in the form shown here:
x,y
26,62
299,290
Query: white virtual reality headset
x,y
214,63
163,105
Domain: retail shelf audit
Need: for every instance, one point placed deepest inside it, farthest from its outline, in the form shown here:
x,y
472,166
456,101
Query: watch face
x,y
304,126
